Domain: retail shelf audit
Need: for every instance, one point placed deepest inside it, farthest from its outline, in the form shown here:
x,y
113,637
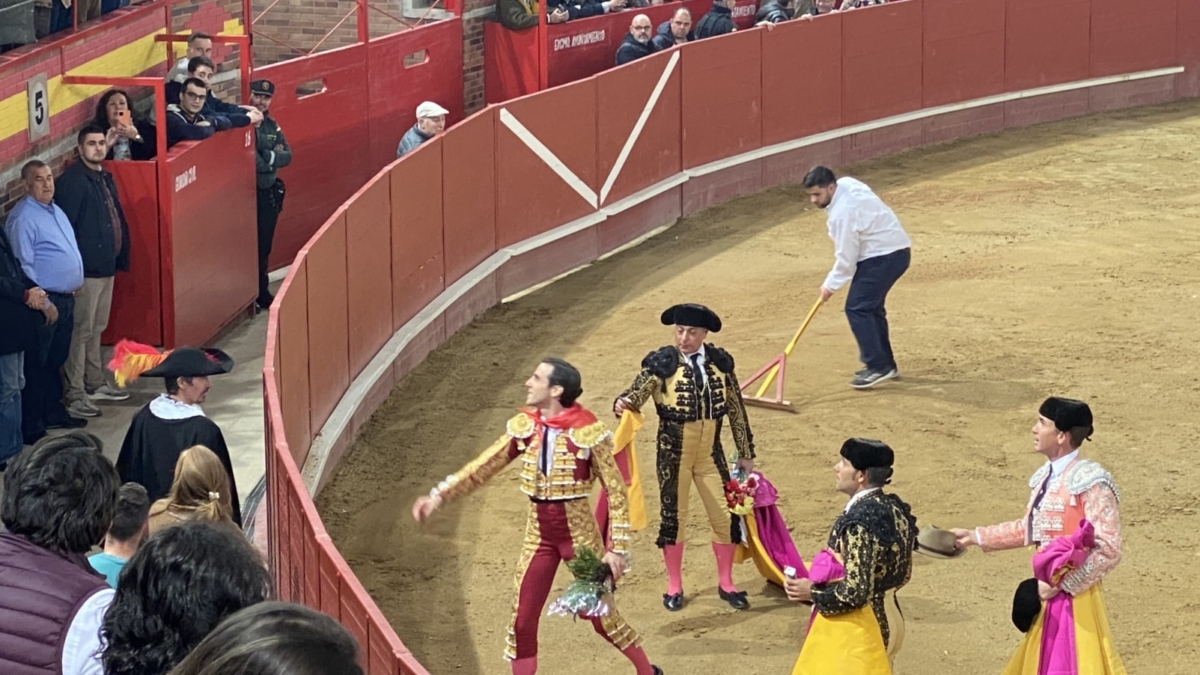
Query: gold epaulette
x,y
586,437
521,426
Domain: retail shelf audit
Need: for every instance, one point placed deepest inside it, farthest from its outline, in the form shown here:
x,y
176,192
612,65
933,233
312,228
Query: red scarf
x,y
571,418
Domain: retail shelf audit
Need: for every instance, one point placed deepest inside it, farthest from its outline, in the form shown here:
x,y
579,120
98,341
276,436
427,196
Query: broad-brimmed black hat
x,y
1066,413
867,453
192,362
691,314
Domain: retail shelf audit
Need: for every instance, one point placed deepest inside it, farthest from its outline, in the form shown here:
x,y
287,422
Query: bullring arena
x,y
1058,259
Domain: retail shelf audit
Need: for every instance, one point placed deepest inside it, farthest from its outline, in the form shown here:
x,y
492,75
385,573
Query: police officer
x,y
273,154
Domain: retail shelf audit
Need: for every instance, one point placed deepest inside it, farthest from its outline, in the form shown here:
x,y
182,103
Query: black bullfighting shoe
x,y
657,670
673,601
736,600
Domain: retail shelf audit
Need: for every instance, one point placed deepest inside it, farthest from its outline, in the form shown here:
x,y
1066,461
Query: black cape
x,y
152,447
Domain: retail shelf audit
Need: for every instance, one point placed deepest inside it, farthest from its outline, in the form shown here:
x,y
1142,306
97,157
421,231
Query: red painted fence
x,y
437,238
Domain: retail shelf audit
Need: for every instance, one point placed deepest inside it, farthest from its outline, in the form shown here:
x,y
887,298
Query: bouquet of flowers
x,y
739,493
587,596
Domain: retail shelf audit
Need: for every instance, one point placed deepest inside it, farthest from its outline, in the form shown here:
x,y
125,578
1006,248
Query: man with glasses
x,y
637,41
184,121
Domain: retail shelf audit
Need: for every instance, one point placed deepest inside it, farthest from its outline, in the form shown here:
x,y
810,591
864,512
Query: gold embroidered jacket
x,y
667,377
580,454
876,539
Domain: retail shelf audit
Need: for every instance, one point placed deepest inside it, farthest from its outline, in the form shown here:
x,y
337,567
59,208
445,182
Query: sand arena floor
x,y
1061,259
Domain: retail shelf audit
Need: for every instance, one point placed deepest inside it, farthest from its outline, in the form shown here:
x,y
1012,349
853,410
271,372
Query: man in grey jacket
x,y
431,120
274,153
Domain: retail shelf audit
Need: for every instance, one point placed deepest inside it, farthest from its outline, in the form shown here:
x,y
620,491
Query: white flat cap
x,y
430,109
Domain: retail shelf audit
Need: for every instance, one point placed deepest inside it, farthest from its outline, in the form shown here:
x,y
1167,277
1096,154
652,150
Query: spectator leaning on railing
x,y
637,42
431,121
718,21
774,11
184,121
223,115
559,11
88,195
677,31
129,137
59,497
198,44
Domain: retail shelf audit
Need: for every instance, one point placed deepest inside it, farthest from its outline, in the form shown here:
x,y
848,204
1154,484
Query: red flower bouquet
x,y
739,493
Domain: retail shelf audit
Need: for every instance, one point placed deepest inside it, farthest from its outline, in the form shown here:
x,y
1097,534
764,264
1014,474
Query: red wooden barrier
x,y
1188,44
429,219
137,294
1129,37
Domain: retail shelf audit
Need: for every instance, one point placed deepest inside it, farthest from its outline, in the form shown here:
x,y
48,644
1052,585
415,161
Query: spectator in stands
x,y
223,115
59,497
637,42
62,13
275,638
517,14
45,244
176,589
201,491
173,422
198,44
559,11
431,120
774,11
718,21
677,31
129,137
88,195
128,530
819,8
21,302
273,153
184,121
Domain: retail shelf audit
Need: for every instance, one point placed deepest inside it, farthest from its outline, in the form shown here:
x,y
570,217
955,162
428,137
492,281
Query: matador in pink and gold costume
x,y
1069,495
562,449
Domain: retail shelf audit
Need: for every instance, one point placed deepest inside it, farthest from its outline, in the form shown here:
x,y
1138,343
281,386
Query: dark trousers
x,y
865,311
42,399
268,217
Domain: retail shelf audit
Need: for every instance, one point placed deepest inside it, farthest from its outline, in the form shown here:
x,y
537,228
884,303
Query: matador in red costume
x,y
562,448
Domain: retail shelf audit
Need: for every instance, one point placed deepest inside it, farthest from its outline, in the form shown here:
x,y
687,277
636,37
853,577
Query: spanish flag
x,y
626,457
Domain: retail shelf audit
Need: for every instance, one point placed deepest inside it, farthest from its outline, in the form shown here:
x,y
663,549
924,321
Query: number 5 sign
x,y
39,107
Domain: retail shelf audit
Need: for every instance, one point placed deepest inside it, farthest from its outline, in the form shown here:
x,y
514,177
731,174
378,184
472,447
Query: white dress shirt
x,y
1060,465
861,226
698,353
81,646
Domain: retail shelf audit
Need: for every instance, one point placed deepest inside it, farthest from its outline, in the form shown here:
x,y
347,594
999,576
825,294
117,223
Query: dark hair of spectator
x,y
878,476
274,638
31,166
89,129
195,37
179,585
60,494
133,507
191,82
566,376
819,176
198,61
101,118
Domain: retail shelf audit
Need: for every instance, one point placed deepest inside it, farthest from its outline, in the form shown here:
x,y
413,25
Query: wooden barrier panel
x,y
722,97
369,271
328,339
1046,43
796,106
963,50
881,61
510,62
1188,47
137,294
469,194
1130,37
418,264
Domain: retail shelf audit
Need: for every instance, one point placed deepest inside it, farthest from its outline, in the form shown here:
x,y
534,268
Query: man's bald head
x,y
681,25
641,29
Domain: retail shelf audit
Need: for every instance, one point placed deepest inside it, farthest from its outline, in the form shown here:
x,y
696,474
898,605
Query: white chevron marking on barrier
x,y
637,128
547,156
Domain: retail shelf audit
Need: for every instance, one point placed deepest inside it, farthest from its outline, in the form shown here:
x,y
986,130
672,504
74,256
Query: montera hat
x,y
691,314
866,453
937,543
1026,605
1067,414
132,360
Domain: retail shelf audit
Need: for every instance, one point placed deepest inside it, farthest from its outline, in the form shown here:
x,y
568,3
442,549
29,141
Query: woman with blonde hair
x,y
200,491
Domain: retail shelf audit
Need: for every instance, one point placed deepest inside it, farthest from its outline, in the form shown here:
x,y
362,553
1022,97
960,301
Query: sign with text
x,y
39,107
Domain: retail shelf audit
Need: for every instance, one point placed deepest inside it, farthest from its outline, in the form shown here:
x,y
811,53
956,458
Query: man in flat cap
x,y
1065,491
273,153
694,390
173,422
857,626
431,121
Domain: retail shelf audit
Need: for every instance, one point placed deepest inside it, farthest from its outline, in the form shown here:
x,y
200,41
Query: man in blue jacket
x,y
637,41
184,121
677,31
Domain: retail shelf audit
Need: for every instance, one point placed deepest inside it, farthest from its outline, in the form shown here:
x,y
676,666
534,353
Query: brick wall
x,y
474,16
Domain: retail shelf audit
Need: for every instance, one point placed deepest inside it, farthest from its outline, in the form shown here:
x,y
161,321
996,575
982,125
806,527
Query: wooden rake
x,y
776,366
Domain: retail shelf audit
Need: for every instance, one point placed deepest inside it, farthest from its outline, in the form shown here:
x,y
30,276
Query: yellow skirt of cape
x,y
1094,650
846,644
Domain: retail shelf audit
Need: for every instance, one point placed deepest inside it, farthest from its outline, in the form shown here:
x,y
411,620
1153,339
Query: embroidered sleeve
x,y
605,467
859,553
1003,536
480,470
1100,508
739,422
644,386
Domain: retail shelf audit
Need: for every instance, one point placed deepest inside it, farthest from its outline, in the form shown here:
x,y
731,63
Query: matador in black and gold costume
x,y
694,391
856,626
562,449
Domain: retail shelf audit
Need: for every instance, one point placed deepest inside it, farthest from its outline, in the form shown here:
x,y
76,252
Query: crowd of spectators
x,y
192,597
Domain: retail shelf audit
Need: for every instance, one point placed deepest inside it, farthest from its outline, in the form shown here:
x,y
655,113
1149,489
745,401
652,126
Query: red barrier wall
x,y
137,294
537,186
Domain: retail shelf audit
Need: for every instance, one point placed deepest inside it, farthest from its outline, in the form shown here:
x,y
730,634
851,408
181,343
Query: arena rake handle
x,y
787,351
